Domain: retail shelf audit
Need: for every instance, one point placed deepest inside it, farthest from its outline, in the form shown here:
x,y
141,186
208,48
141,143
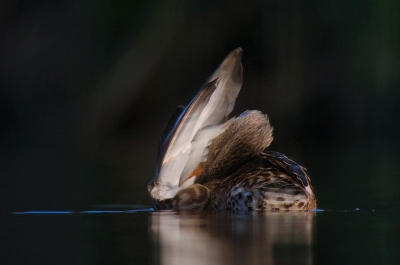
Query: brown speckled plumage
x,y
264,182
247,136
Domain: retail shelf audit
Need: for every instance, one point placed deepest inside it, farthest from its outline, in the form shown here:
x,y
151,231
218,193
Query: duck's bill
x,y
184,144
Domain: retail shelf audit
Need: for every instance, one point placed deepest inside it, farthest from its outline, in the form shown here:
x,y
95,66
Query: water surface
x,y
145,237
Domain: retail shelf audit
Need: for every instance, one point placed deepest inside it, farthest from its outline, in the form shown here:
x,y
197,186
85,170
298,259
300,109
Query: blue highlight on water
x,y
44,212
83,212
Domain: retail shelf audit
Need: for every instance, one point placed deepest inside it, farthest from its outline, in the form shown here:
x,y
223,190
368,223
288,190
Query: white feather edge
x,y
191,144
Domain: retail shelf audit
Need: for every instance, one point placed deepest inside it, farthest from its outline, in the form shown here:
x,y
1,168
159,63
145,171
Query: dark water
x,y
130,237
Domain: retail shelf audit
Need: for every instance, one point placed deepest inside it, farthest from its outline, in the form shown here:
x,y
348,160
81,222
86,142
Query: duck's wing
x,y
189,132
165,138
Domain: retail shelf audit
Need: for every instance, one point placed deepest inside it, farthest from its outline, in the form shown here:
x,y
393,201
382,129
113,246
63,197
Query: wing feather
x,y
201,121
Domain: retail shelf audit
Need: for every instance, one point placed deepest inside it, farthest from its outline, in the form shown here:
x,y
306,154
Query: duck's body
x,y
209,162
266,182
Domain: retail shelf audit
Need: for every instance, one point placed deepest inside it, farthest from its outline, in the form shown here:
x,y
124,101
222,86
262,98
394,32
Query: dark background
x,y
86,88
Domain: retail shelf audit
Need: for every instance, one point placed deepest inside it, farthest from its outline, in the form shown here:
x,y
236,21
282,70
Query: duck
x,y
208,161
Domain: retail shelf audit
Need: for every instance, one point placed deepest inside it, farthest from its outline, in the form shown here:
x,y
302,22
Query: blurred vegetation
x,y
87,86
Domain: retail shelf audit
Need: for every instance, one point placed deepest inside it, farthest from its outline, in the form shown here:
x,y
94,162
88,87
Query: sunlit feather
x,y
201,121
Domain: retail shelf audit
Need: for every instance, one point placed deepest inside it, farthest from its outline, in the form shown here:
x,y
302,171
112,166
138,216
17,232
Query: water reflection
x,y
228,238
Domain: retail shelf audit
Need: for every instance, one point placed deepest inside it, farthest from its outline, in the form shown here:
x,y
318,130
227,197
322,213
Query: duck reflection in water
x,y
207,161
228,238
